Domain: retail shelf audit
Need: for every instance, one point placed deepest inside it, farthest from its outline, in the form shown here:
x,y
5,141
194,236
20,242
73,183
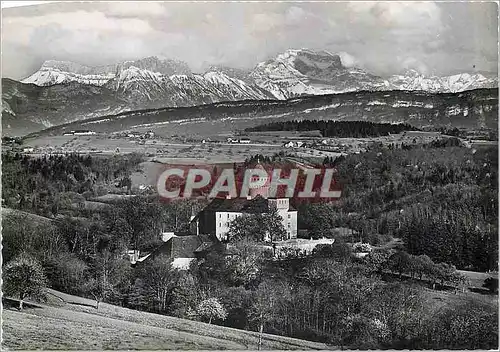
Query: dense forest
x,y
328,128
441,201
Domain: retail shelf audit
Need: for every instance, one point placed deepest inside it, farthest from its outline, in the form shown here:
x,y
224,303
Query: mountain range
x,y
471,109
61,92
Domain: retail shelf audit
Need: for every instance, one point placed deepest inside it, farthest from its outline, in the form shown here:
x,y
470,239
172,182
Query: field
x,y
476,279
68,326
438,299
207,147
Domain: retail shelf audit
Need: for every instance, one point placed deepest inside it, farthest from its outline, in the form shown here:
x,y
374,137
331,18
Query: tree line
x,y
328,128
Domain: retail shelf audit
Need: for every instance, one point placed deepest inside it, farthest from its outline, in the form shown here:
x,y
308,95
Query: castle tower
x,y
263,190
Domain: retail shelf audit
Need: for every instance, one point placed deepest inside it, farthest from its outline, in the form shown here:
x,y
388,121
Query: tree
x,y
265,301
377,260
158,281
66,272
210,309
339,251
399,262
422,265
247,226
112,278
468,325
23,276
317,218
258,227
274,225
245,262
184,295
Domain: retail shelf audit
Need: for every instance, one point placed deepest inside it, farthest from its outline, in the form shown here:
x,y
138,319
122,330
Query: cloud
x,y
134,9
265,22
24,28
411,63
348,60
382,37
397,14
296,14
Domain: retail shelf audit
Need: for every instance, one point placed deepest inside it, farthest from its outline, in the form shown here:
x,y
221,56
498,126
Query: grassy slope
x,y
29,217
111,327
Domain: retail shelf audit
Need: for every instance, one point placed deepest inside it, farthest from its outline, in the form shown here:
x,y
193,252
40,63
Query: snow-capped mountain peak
x,y
293,73
56,72
301,71
297,72
412,80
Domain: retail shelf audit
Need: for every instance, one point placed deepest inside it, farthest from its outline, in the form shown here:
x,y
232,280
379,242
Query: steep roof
x,y
257,205
240,205
183,246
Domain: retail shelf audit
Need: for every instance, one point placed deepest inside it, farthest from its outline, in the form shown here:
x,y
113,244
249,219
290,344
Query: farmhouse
x,y
80,133
240,141
182,250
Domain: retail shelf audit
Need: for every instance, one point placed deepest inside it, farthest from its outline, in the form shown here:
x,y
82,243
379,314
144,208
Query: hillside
x,y
27,107
477,108
62,325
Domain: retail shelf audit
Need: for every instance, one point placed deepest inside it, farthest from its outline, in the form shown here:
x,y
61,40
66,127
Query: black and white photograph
x,y
247,175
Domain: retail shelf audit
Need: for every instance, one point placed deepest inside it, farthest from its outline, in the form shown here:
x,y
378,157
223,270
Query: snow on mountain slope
x,y
57,72
48,76
412,80
65,91
150,83
305,72
145,88
290,74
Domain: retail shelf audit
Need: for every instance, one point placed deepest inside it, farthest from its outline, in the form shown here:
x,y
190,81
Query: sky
x,y
385,38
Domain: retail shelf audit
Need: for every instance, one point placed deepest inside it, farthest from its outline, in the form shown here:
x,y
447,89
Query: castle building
x,y
216,217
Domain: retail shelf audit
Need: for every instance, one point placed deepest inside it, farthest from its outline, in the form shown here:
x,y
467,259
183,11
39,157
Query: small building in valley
x,y
182,250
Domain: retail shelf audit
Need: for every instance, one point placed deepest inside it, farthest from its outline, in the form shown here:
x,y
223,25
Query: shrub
x,y
210,309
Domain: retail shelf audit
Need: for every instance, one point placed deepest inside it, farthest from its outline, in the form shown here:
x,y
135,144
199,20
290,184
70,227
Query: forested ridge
x,y
442,202
328,128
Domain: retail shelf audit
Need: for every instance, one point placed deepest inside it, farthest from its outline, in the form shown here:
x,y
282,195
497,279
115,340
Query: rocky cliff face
x,y
304,72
